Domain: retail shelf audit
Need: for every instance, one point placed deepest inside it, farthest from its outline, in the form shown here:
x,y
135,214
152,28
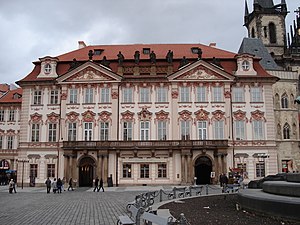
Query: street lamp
x,y
23,161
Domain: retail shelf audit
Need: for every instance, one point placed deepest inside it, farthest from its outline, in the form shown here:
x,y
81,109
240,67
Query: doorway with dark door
x,y
86,172
203,169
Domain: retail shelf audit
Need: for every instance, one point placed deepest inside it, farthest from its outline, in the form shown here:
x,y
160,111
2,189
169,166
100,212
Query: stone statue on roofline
x,y
199,53
105,62
90,54
169,56
153,57
136,57
120,59
183,62
74,64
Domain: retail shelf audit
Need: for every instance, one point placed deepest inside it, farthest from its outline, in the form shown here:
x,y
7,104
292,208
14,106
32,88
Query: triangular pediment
x,y
89,72
201,71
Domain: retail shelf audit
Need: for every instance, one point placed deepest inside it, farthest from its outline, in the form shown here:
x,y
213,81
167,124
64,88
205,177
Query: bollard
x,y
160,195
207,189
174,190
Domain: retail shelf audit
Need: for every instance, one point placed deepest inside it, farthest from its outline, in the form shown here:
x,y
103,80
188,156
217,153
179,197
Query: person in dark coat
x,y
59,185
96,184
70,184
48,185
101,185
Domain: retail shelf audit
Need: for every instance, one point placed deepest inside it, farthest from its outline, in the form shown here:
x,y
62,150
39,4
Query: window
x,y
272,33
284,102
239,129
217,94
127,95
161,130
37,97
252,33
47,68
202,130
161,94
145,130
127,131
11,115
72,132
146,51
245,65
162,170
98,51
35,132
256,94
144,94
2,114
144,171
54,97
10,141
201,94
88,131
126,170
1,141
258,131
73,96
286,131
51,170
52,132
238,94
242,166
184,94
260,169
89,95
105,95
33,170
219,129
185,130
104,129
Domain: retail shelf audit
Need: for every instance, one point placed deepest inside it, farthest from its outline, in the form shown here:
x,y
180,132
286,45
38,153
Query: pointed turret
x,y
283,6
246,13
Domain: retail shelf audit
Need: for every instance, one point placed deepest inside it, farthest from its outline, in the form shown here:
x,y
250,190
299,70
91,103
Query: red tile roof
x,y
9,96
4,87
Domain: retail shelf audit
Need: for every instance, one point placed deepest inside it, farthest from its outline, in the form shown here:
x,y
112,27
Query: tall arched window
x,y
284,101
286,131
272,33
253,33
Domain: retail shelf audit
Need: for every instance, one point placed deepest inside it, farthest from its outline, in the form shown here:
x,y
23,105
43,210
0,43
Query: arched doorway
x,y
86,172
203,168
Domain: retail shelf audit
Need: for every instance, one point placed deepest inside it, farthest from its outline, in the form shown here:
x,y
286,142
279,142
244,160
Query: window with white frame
x,y
104,131
239,129
218,126
161,94
162,170
37,97
2,114
184,94
185,129
126,170
202,130
50,170
144,94
201,94
128,95
73,96
88,131
35,132
89,95
52,132
144,171
54,97
256,94
217,94
11,115
10,141
33,172
284,102
161,130
127,131
145,130
105,93
72,131
238,94
258,131
260,169
286,131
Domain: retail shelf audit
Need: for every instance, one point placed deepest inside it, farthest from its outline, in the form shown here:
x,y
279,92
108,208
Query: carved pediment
x,y
104,116
185,115
88,116
218,115
202,114
161,115
72,116
239,115
145,114
89,74
199,73
127,115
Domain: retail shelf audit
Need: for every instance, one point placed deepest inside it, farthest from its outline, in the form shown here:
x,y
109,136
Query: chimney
x,y
81,44
213,44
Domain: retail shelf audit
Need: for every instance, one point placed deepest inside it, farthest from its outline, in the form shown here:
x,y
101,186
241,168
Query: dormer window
x,y
47,68
245,65
146,51
195,50
98,51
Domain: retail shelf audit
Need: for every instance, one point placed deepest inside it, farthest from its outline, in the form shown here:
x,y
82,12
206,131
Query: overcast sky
x,y
31,29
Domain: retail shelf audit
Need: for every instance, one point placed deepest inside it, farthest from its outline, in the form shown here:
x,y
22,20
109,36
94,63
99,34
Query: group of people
x,y
58,185
98,184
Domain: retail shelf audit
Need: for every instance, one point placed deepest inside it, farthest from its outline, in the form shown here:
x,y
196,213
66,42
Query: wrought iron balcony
x,y
97,145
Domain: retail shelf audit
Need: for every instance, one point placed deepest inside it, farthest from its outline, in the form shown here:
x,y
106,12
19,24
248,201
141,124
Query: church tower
x,y
267,22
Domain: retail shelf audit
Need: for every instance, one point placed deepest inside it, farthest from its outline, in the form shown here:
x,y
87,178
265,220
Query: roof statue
x,y
153,57
74,64
169,56
90,54
105,62
136,57
120,58
199,53
183,62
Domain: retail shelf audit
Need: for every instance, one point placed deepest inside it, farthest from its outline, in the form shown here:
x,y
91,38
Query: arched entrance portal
x,y
203,168
86,172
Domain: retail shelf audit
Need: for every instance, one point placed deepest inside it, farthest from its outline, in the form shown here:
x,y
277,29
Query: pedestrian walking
x,y
59,185
63,180
14,187
48,185
101,185
54,185
96,184
11,186
70,184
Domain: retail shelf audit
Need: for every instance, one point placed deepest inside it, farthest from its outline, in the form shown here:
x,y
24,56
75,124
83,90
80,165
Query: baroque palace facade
x,y
143,114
